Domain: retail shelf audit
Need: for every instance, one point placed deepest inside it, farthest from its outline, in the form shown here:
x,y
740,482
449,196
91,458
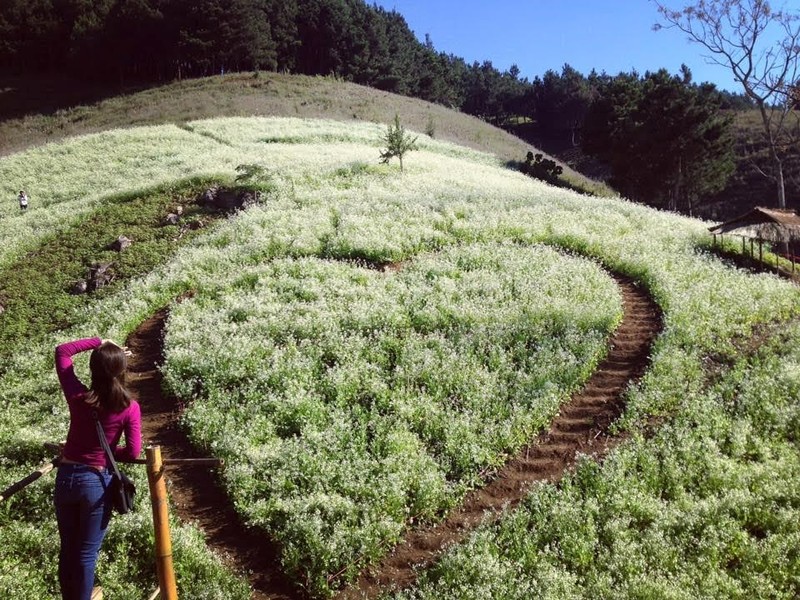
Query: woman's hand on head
x,y
125,349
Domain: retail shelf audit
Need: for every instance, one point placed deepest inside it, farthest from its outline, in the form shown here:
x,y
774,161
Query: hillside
x,y
363,347
246,95
374,353
745,189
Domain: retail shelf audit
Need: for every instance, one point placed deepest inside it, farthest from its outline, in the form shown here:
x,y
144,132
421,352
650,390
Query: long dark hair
x,y
108,365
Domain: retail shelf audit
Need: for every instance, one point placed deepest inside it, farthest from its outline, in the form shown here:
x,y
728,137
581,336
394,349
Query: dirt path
x,y
195,492
582,426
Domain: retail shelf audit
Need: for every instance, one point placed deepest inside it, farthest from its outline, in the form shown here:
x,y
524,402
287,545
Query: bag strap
x,y
104,442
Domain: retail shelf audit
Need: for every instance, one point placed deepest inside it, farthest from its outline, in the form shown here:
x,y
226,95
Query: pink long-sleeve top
x,y
83,445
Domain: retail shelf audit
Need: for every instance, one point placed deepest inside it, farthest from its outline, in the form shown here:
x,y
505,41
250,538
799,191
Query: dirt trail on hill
x,y
194,491
581,427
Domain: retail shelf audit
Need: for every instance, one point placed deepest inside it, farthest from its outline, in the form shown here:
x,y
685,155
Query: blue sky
x,y
537,35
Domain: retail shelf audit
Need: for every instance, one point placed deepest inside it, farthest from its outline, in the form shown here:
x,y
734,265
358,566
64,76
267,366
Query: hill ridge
x,y
271,94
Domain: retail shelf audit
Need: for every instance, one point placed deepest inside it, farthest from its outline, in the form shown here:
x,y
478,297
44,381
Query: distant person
x,y
83,508
23,200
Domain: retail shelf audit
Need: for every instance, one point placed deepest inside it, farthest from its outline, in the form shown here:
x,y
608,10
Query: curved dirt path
x,y
581,427
195,492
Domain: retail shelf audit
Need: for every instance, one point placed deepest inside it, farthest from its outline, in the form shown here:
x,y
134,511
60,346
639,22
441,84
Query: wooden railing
x,y
167,587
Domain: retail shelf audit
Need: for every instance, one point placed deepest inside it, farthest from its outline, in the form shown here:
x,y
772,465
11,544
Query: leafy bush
x,y
538,167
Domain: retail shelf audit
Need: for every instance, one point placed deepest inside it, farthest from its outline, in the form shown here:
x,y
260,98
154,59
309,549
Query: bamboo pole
x,y
26,481
158,499
155,594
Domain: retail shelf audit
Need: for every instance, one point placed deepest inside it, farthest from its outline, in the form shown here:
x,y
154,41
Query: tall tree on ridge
x,y
562,102
737,34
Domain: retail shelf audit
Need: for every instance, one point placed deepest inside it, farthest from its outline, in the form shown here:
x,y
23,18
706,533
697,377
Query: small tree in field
x,y
398,142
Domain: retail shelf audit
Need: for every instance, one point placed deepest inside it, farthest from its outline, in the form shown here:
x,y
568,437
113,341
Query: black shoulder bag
x,y
121,489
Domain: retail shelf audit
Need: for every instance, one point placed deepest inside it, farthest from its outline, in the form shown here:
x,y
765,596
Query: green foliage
x,y
35,290
538,167
252,173
398,142
350,39
666,140
561,102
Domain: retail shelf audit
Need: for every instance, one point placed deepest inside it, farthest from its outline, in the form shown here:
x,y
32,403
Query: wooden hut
x,y
776,226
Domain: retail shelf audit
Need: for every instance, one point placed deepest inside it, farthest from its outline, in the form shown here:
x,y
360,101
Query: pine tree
x,y
665,139
398,142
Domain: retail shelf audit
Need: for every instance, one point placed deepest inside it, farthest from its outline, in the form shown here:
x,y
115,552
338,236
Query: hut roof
x,y
768,224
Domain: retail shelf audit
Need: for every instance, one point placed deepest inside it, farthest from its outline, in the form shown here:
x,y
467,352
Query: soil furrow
x,y
195,492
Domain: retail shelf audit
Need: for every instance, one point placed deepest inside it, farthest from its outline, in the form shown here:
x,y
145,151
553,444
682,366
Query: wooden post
x,y
158,499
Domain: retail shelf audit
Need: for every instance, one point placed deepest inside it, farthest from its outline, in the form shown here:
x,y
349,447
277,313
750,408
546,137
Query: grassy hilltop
x,y
352,402
269,94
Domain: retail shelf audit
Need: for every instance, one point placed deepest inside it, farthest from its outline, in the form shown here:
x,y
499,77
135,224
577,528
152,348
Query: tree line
x,y
664,138
162,40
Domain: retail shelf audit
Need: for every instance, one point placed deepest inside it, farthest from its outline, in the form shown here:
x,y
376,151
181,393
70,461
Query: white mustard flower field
x,y
362,345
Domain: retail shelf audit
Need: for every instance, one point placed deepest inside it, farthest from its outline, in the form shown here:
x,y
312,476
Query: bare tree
x,y
761,47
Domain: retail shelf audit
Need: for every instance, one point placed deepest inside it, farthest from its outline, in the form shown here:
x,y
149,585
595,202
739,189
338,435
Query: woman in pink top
x,y
83,508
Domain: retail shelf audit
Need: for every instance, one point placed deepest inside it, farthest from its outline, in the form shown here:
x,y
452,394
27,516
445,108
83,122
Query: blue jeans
x,y
83,510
